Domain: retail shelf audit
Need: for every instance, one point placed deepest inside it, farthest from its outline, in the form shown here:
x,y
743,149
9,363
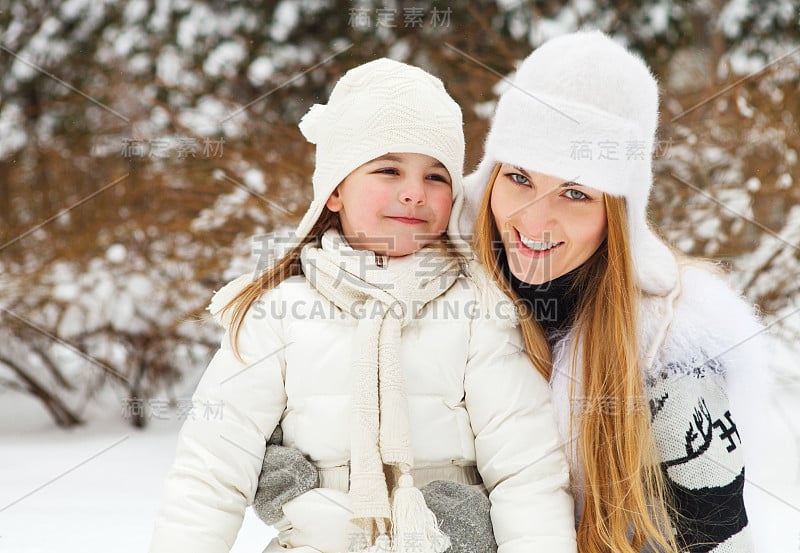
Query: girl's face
x,y
394,205
548,226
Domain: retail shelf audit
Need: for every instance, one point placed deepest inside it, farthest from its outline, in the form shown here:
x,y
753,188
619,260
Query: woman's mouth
x,y
535,248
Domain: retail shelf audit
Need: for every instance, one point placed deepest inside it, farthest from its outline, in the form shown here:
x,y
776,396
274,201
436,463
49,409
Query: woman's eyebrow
x,y
523,171
569,183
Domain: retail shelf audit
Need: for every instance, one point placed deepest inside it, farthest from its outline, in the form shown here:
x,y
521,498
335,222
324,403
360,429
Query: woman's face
x,y
548,226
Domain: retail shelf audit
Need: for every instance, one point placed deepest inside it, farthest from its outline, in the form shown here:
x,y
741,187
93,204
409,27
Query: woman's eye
x,y
519,179
573,194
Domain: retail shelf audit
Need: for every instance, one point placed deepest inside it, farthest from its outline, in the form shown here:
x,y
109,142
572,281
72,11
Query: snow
x,y
659,18
12,137
116,253
135,10
91,490
127,40
98,488
744,108
260,70
732,16
484,110
224,60
400,51
545,29
254,179
741,62
286,18
73,9
168,66
189,27
753,184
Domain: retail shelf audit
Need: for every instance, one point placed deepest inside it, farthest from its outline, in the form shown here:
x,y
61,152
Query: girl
x,y
375,353
642,347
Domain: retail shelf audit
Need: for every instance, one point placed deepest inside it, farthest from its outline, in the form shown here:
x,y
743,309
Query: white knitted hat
x,y
376,108
583,108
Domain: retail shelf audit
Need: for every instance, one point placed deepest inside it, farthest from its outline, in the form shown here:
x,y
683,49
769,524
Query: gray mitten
x,y
463,514
285,474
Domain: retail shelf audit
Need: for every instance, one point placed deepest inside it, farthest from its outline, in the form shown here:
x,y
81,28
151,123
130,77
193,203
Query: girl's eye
x,y
519,179
439,178
573,194
388,171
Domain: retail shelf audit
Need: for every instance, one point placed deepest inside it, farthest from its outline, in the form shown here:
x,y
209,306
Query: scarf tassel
x,y
414,526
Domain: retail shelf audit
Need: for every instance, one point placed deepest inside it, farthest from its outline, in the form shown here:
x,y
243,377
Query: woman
x,y
641,346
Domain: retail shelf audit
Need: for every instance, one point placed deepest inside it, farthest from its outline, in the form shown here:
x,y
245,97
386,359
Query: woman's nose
x,y
538,213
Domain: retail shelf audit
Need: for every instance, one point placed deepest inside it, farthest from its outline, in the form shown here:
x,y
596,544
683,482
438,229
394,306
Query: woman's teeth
x,y
536,245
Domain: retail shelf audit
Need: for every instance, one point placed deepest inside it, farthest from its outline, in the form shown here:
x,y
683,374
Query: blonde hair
x,y
290,265
286,267
625,497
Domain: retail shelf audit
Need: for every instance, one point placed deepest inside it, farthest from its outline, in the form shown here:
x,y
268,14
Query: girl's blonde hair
x,y
625,503
290,265
286,267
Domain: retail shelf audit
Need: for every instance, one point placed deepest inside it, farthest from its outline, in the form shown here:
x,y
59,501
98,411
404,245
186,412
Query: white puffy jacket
x,y
474,399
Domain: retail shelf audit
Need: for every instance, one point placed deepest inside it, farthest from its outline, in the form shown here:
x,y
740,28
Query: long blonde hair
x,y
625,502
288,266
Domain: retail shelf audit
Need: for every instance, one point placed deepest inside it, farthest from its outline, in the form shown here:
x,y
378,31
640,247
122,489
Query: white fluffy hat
x,y
376,108
583,108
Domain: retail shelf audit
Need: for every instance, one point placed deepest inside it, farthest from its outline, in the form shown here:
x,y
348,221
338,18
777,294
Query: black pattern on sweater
x,y
706,517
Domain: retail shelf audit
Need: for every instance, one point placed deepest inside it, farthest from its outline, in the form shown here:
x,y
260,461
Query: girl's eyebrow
x,y
387,157
391,157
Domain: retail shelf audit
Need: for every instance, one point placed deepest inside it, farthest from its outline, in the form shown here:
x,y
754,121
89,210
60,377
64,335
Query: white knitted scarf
x,y
385,297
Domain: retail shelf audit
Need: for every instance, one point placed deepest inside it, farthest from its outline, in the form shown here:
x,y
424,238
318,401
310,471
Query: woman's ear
x,y
334,202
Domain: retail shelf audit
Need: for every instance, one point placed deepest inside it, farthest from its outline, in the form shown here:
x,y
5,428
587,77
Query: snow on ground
x,y
92,490
98,488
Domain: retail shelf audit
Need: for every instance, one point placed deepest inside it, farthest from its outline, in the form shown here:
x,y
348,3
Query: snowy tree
x,y
144,143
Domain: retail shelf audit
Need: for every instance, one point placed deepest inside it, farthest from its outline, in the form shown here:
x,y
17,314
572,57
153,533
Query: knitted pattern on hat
x,y
381,107
583,108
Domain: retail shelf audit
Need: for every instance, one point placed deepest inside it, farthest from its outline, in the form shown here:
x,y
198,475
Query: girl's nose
x,y
412,191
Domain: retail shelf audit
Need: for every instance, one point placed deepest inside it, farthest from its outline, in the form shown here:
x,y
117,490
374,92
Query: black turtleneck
x,y
553,304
